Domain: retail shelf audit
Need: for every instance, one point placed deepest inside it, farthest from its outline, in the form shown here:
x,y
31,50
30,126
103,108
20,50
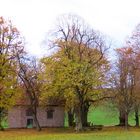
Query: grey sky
x,y
115,18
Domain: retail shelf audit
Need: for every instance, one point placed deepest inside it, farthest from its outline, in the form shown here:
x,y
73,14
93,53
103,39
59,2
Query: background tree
x,y
78,68
124,83
10,45
134,42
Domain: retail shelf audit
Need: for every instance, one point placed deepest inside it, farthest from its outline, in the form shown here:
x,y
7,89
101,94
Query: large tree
x,y
11,44
78,68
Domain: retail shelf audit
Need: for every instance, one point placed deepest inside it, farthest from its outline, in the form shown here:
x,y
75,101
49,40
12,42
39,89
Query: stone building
x,y
20,116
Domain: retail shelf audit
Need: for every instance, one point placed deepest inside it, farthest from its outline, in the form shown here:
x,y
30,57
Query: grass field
x,y
105,116
68,134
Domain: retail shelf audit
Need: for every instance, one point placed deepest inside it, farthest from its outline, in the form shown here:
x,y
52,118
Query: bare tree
x,y
124,83
134,42
28,73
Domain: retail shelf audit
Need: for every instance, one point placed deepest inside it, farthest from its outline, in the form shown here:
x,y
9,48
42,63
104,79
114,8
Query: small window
x,y
50,114
29,112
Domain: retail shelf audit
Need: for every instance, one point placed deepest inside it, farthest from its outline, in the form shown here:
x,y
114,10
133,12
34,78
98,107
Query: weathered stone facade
x,y
18,118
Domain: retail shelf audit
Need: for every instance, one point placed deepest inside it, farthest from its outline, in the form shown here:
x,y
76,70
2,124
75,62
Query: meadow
x,y
111,133
103,115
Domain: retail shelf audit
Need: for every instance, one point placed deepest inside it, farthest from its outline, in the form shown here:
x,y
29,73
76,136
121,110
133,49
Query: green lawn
x,y
65,134
102,116
105,116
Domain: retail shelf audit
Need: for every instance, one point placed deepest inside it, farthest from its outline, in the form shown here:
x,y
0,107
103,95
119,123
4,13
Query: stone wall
x,y
17,117
58,119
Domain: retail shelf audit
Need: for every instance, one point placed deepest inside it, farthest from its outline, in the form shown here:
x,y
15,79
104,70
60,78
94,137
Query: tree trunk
x,y
78,119
126,120
137,116
36,122
84,115
70,118
34,108
1,127
1,117
84,119
34,105
122,118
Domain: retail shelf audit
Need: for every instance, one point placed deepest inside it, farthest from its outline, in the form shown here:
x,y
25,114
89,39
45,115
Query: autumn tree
x,y
78,68
124,83
134,42
137,95
29,75
11,44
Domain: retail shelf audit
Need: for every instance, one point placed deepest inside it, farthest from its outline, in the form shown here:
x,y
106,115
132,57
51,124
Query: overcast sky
x,y
115,18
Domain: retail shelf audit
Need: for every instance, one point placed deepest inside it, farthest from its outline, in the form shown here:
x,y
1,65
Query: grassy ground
x,y
105,116
102,116
68,134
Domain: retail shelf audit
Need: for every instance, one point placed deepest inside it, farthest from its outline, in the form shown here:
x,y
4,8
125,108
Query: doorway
x,y
29,123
